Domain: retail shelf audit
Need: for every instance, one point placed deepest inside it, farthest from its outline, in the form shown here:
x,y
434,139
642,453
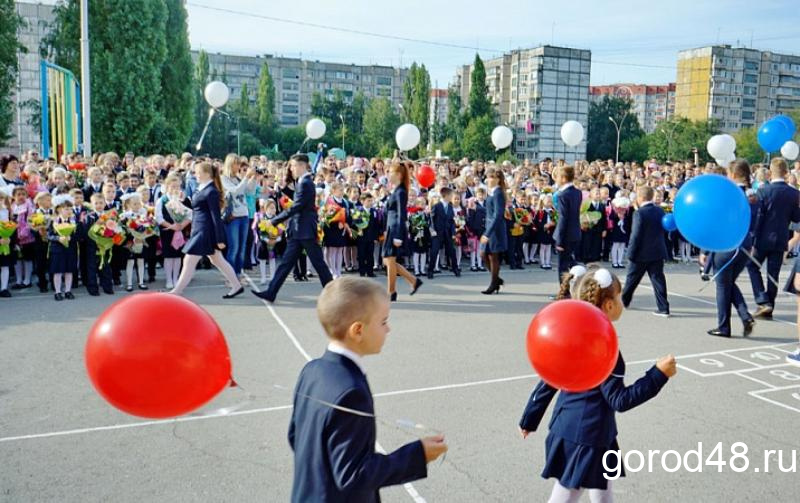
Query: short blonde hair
x,y
345,301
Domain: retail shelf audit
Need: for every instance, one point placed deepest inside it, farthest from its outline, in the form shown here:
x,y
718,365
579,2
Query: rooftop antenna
x,y
751,39
401,58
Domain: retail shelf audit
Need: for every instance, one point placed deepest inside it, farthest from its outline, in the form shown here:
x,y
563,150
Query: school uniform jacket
x,y
443,220
588,417
302,214
495,222
568,228
647,236
778,206
334,451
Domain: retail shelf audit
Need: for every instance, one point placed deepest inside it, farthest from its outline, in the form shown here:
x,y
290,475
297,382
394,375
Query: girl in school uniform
x,y
267,248
530,237
622,223
545,224
133,209
476,224
63,249
22,208
351,252
419,225
173,215
584,427
460,237
39,223
334,241
6,259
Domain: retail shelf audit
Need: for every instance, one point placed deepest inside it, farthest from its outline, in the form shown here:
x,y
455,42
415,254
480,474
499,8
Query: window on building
x,y
290,86
748,115
749,103
383,81
384,91
749,91
291,97
751,78
290,73
290,109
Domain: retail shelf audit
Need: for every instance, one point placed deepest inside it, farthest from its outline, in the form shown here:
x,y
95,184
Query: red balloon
x,y
157,355
572,345
426,176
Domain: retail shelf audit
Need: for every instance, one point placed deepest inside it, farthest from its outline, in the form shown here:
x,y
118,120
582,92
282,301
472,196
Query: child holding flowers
x,y
104,231
7,230
22,209
40,222
63,247
269,238
139,227
334,221
173,216
419,223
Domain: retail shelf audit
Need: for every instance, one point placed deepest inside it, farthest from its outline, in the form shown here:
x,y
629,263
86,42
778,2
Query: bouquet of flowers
x,y
179,214
78,170
65,230
106,232
38,222
140,228
332,213
268,233
418,223
7,229
360,217
461,228
588,219
522,218
285,202
667,207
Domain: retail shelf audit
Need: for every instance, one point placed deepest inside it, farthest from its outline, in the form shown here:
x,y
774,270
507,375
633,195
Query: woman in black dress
x,y
494,240
396,242
208,232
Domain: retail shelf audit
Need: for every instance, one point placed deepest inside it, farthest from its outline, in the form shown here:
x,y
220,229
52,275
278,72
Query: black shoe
x,y
492,289
128,288
473,269
430,275
263,295
416,286
108,291
393,297
18,286
501,282
482,269
117,282
718,333
69,296
457,272
371,275
5,293
42,289
151,279
234,294
94,293
29,285
58,296
748,327
661,314
142,287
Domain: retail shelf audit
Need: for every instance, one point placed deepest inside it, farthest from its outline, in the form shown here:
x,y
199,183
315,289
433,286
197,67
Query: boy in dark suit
x,y
647,251
443,228
778,206
366,242
592,238
92,258
332,430
567,234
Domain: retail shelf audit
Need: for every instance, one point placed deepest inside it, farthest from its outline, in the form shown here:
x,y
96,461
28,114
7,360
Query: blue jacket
x,y
589,417
568,228
302,214
647,235
207,216
334,450
443,220
778,206
495,222
397,215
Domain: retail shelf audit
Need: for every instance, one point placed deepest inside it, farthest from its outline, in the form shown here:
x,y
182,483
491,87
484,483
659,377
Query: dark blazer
x,y
396,215
334,450
568,228
496,222
302,214
778,206
589,417
476,219
443,220
647,235
207,226
88,190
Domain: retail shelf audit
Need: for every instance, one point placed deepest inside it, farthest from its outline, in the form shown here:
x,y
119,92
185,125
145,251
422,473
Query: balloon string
x,y
718,272
771,279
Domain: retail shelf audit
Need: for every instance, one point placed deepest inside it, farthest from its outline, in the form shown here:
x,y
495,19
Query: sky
x,y
630,41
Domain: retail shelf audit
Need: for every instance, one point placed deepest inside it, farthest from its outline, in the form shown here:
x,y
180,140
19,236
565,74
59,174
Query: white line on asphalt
x,y
759,381
773,402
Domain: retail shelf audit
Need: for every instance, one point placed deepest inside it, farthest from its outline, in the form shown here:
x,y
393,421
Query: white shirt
x,y
334,347
565,187
777,180
645,204
204,185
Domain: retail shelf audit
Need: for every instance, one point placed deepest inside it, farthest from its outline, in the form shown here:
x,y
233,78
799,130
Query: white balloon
x,y
572,133
217,94
502,137
721,146
724,163
730,144
315,129
407,137
790,150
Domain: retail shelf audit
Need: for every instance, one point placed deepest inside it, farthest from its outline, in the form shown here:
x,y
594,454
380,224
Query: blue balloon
x,y
772,135
668,222
712,212
788,123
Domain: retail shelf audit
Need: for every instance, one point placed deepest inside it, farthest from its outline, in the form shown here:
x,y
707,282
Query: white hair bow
x,y
603,278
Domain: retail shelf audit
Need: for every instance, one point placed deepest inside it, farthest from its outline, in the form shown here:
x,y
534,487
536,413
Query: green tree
x,y
61,44
747,146
177,88
291,139
634,149
676,138
416,100
479,104
477,143
265,103
201,78
243,105
10,23
602,134
380,123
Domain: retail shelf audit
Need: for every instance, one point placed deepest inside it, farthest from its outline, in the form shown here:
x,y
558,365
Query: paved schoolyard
x,y
455,361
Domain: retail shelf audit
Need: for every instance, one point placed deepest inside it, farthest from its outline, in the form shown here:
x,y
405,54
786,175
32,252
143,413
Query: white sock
x,y
168,265
67,282
57,282
415,259
140,269
4,273
28,272
459,252
129,271
262,267
272,266
17,272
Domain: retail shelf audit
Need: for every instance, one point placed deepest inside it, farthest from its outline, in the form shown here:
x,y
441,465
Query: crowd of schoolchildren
x,y
114,222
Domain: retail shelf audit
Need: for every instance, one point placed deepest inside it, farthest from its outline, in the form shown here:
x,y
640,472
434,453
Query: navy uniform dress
x,y
396,212
63,259
167,251
207,226
495,222
584,427
334,450
333,236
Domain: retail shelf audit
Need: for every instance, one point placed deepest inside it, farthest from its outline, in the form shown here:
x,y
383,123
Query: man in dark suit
x,y
301,232
647,251
443,228
567,234
778,206
332,431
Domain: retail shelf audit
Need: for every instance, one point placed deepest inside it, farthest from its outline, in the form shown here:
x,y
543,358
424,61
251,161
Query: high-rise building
x,y
297,80
651,104
535,91
739,87
438,106
25,133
